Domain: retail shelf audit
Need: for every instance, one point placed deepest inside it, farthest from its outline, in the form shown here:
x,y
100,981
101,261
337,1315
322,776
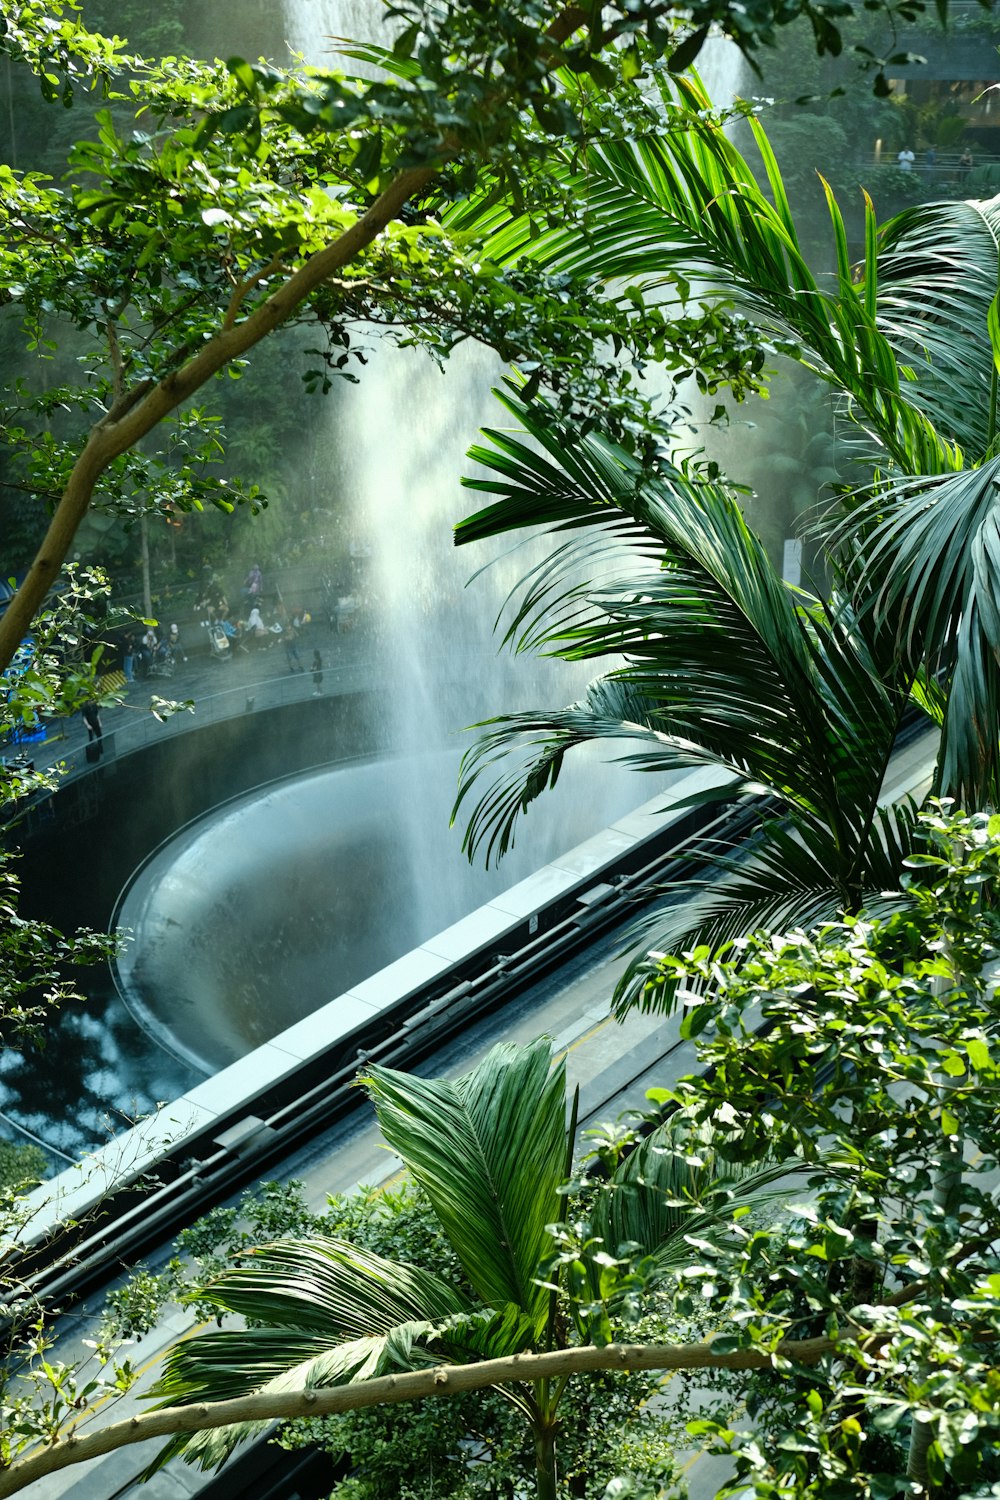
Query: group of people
x,y
906,160
150,653
142,657
254,632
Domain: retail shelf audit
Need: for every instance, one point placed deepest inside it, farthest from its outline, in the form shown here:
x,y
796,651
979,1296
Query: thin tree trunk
x,y
147,589
921,1437
545,1460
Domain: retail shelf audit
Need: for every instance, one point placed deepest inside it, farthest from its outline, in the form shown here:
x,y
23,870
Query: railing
x,y
145,729
946,167
65,745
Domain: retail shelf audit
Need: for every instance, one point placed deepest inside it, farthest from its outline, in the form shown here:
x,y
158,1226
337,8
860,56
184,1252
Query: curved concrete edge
x,y
81,1188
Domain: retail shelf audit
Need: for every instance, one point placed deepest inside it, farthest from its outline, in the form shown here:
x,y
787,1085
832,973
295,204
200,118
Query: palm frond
x,y
783,881
326,1313
931,573
488,1150
937,270
524,756
683,203
719,662
322,1312
674,1186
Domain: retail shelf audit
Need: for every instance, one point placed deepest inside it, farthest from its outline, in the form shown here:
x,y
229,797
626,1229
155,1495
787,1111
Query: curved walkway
x,y
254,679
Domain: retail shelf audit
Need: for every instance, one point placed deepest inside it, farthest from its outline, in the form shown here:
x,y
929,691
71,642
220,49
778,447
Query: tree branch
x,y
389,1390
246,287
116,434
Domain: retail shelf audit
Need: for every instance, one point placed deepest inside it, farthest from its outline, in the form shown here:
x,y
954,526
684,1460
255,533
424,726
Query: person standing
x,y
95,730
290,636
148,651
253,584
905,160
174,643
317,671
128,656
965,164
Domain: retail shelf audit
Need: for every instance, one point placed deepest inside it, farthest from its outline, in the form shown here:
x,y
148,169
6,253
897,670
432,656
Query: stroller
x,y
218,641
161,663
154,658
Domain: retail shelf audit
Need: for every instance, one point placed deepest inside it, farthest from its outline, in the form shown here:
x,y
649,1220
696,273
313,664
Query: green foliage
x,y
185,231
475,1447
21,1165
720,663
724,665
869,1051
55,674
394,1222
489,1151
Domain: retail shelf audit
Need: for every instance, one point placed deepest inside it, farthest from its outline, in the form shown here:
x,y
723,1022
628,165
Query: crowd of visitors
x,y
262,620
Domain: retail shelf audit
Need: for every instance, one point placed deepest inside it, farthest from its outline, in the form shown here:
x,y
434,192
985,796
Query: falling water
x,y
284,900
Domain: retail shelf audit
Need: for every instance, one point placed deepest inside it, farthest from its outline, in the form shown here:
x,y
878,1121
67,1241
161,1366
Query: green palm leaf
x,y
524,755
937,269
931,574
321,1312
682,202
674,1186
783,881
488,1149
904,338
720,662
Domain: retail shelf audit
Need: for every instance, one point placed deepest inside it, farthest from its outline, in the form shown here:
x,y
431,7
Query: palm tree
x,y
722,662
491,1151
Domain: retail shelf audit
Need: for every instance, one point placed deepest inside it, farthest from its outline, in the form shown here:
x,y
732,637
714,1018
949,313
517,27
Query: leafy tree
x,y
175,249
54,674
873,1046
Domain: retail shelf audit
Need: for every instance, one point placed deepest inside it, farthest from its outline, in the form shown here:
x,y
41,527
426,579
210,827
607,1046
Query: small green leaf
x,y
241,70
979,1054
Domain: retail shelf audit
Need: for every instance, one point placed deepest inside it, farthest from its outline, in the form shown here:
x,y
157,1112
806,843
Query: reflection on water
x,y
96,1075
